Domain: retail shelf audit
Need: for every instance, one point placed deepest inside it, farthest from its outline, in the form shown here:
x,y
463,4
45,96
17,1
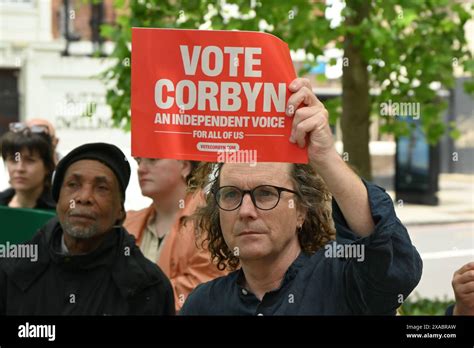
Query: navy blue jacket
x,y
375,282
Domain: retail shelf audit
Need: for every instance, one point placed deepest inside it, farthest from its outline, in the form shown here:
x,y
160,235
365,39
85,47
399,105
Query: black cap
x,y
107,154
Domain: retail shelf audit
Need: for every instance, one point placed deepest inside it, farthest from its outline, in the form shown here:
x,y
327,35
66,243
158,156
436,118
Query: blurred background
x,y
396,76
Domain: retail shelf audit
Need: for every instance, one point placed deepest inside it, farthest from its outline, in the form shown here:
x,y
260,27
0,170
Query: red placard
x,y
199,94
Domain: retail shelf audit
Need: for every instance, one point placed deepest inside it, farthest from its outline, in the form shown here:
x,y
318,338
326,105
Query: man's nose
x,y
84,194
248,209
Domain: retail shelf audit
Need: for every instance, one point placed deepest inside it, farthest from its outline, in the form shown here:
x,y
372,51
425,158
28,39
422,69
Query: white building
x,y
52,86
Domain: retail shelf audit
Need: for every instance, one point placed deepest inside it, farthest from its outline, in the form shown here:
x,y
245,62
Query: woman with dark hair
x,y
29,158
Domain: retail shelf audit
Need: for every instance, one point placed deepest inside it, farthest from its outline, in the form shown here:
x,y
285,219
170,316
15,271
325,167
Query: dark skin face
x,y
89,205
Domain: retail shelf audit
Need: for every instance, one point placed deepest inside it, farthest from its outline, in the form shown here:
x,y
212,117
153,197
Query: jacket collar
x,y
290,273
191,202
103,255
118,250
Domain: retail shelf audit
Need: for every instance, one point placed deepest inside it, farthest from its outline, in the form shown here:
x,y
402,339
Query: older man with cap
x,y
87,263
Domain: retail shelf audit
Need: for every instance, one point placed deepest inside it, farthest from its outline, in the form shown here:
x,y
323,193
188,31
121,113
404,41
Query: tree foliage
x,y
408,48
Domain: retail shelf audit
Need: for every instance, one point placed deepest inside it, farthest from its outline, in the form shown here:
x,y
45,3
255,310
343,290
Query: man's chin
x,y
79,232
253,253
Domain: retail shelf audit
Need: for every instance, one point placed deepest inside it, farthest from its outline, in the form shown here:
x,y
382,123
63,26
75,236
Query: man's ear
x,y
186,169
301,216
122,216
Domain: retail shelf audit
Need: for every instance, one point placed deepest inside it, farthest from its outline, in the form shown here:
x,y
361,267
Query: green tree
x,y
399,49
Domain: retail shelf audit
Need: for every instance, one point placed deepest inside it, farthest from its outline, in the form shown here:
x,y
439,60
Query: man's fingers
x,y
302,96
305,127
466,267
301,115
465,277
299,82
464,289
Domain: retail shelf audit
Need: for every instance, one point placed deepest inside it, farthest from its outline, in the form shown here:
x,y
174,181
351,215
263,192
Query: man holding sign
x,y
273,221
272,217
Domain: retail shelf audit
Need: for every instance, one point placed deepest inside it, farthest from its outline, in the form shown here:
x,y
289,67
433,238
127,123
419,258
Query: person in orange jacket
x,y
164,232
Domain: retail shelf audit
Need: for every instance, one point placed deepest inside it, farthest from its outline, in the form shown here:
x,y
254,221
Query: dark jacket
x,y
450,310
45,201
114,279
326,283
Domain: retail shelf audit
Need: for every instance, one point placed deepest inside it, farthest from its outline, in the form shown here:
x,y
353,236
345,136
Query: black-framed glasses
x,y
264,197
19,127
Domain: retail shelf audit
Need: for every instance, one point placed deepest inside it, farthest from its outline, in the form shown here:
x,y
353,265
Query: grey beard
x,y
80,232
